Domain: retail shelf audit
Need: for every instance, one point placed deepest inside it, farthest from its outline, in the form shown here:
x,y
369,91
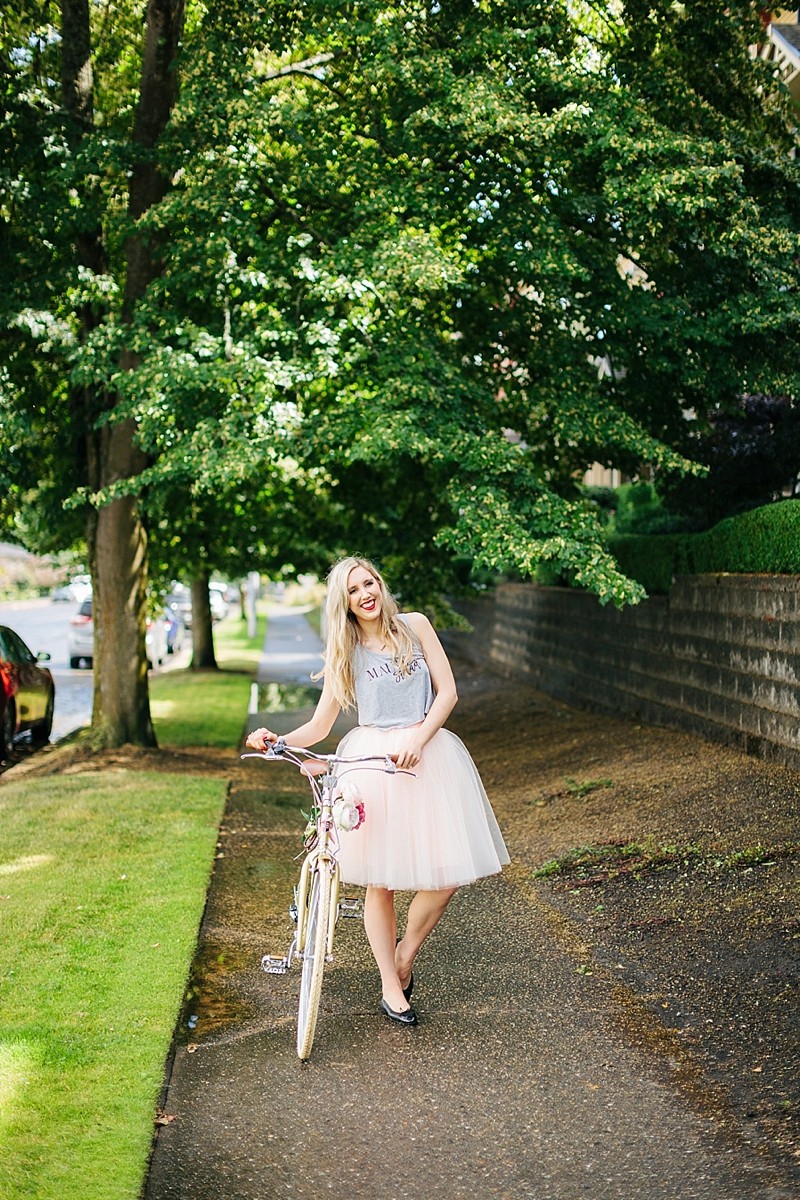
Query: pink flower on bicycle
x,y
348,809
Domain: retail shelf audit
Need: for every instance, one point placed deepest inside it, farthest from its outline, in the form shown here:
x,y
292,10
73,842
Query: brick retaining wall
x,y
719,656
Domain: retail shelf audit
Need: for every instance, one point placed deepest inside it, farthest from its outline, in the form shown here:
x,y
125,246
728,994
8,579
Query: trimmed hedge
x,y
763,541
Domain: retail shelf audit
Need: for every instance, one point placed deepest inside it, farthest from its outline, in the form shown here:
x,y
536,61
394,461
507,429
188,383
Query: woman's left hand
x,y
409,755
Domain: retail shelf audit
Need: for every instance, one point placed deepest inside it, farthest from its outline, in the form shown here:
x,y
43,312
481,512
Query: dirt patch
x,y
70,758
677,862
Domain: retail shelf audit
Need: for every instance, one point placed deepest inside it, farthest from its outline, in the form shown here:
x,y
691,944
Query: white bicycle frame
x,y
323,853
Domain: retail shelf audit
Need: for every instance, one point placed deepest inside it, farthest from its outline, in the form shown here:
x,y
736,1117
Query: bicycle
x,y
317,904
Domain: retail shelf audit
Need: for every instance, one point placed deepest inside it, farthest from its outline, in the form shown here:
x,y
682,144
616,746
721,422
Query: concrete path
x,y
530,1076
292,654
292,650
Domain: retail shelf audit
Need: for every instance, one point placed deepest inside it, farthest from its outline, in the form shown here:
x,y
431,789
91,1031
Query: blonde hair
x,y
344,635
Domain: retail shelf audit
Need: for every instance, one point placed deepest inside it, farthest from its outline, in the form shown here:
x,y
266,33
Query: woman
x,y
429,833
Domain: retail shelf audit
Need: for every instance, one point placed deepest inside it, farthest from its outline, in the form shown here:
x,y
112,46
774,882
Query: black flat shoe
x,y
409,990
407,1017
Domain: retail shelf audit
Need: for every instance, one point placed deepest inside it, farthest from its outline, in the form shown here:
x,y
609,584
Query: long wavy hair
x,y
343,633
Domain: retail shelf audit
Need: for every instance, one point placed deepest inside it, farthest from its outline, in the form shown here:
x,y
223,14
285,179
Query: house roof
x,y
789,34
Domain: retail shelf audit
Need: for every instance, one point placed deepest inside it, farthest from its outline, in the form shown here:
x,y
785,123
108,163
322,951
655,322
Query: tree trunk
x,y
121,698
113,534
203,656
77,81
116,534
157,97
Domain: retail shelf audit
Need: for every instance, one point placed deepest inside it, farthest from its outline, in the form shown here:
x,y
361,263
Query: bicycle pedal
x,y
351,907
273,965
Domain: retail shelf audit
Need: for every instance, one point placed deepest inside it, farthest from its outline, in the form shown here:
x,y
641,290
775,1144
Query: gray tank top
x,y
386,697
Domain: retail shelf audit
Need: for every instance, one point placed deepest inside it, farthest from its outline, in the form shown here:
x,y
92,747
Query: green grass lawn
x,y
199,708
103,877
102,885
208,708
236,651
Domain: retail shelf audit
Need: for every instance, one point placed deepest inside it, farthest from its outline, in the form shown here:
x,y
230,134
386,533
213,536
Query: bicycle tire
x,y
316,945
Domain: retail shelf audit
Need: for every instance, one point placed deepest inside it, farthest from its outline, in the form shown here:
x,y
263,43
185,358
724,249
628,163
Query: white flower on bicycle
x,y
348,809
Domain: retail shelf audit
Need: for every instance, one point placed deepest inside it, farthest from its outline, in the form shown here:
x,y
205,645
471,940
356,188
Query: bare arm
x,y
444,685
315,730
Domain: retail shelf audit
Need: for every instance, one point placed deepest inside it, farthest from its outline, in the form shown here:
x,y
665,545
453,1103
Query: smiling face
x,y
365,599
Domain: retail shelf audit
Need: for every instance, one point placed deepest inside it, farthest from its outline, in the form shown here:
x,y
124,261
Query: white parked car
x,y
76,591
217,601
156,640
80,638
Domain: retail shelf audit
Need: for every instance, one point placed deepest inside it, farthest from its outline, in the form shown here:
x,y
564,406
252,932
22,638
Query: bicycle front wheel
x,y
316,944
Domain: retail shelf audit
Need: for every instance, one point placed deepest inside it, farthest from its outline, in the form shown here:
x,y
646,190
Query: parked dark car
x,y
27,693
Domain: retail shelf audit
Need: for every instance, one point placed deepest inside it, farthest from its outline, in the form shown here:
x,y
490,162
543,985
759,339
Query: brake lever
x,y
391,768
275,750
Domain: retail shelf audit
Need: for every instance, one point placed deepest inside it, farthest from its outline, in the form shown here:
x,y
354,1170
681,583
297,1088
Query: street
x,y
43,625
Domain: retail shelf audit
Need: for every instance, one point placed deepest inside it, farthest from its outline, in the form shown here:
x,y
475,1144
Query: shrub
x,y
763,540
640,510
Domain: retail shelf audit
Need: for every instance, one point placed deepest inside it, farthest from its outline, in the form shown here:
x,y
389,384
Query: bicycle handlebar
x,y
279,750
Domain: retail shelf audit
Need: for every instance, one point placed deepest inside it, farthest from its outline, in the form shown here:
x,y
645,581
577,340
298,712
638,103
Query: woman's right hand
x,y
259,739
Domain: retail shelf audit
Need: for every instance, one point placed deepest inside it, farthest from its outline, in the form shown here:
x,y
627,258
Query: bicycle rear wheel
x,y
316,944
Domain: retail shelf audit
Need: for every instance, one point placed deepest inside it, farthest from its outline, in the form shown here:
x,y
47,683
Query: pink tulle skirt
x,y
436,830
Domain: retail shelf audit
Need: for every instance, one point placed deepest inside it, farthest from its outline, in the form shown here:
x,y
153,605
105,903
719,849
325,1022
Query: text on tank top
x,y
387,697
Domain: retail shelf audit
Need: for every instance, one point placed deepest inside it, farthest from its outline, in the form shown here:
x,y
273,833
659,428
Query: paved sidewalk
x,y
530,1077
292,650
292,653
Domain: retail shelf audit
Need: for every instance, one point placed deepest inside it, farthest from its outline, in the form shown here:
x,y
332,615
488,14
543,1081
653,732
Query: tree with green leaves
x,y
70,301
420,262
533,240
